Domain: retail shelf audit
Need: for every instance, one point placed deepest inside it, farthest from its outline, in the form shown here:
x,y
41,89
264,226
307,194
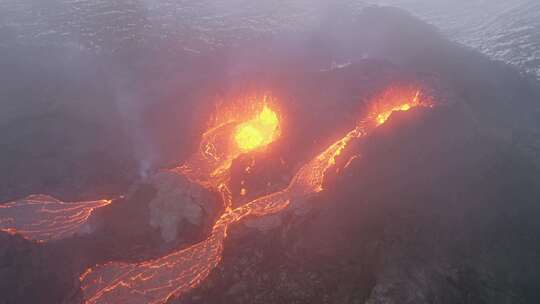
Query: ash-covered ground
x,y
440,207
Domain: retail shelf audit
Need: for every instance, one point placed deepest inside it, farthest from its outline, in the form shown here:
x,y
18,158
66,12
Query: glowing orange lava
x,y
248,126
158,280
396,99
383,117
43,218
243,127
258,132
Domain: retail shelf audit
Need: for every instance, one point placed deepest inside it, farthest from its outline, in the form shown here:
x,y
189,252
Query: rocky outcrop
x,y
178,202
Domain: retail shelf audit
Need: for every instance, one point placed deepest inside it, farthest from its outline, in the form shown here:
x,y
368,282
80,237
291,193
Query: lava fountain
x,y
248,125
155,281
257,132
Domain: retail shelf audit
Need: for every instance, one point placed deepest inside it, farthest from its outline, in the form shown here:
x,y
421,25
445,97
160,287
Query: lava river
x,y
43,218
155,281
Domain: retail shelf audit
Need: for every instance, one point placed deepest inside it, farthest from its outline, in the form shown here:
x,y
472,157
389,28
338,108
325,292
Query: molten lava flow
x,y
154,281
310,177
396,99
158,280
252,126
383,117
42,218
246,126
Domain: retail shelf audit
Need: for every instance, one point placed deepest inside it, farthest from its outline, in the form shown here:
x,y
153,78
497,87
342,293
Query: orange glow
x,y
156,281
244,126
42,218
259,131
383,117
396,99
249,125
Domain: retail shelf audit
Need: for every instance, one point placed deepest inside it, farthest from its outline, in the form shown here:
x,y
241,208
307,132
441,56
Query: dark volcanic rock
x,y
31,273
441,207
178,204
